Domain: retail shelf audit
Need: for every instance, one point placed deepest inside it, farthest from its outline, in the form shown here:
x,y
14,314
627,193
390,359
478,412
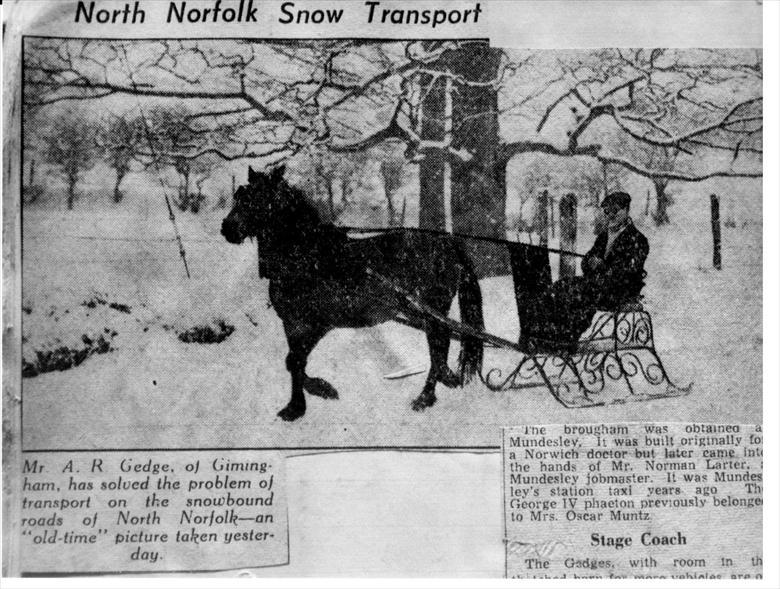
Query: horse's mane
x,y
298,210
295,202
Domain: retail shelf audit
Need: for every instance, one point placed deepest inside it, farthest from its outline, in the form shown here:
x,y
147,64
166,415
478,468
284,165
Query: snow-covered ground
x,y
153,390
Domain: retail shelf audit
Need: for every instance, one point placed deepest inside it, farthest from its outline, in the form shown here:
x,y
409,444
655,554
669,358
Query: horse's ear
x,y
253,176
278,174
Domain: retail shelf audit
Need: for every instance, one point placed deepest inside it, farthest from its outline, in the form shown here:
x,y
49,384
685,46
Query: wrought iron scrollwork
x,y
617,347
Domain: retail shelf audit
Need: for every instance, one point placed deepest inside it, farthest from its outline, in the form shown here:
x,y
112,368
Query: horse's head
x,y
254,206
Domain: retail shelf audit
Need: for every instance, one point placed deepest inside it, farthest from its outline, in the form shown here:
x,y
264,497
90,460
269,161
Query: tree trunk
x,y
184,190
552,218
542,220
432,191
662,200
567,216
195,202
72,179
390,209
344,181
715,220
478,186
120,174
30,190
392,172
331,200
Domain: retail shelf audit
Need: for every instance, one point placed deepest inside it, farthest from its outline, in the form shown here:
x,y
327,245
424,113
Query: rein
x,y
463,235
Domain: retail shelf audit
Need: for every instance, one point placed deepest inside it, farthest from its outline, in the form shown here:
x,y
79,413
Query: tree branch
x,y
508,150
672,175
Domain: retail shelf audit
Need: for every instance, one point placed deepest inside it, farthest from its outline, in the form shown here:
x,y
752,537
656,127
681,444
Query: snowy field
x,y
113,274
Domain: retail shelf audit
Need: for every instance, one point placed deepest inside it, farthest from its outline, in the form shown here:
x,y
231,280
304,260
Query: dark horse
x,y
319,280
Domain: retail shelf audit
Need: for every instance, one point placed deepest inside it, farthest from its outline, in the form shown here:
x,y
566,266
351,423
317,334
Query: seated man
x,y
614,266
553,316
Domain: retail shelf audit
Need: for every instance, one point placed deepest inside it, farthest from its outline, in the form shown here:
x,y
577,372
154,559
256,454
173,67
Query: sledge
x,y
614,361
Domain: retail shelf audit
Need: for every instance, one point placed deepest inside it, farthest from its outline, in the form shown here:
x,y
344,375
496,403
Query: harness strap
x,y
463,235
428,311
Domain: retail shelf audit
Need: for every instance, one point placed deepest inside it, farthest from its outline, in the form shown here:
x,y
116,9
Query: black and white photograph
x,y
358,243
390,289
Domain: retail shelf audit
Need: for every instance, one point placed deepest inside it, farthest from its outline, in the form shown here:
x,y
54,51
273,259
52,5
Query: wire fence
x,y
127,239
219,241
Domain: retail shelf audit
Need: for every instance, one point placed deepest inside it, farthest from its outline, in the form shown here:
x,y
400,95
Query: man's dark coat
x,y
622,276
552,316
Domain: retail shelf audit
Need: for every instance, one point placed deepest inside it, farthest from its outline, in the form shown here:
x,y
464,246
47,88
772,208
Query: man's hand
x,y
595,263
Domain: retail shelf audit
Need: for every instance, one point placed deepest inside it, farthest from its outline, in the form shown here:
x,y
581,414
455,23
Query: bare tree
x,y
703,103
120,140
662,158
391,170
330,179
70,146
34,124
172,141
275,99
202,169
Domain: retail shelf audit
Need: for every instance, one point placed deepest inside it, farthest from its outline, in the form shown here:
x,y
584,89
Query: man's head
x,y
616,206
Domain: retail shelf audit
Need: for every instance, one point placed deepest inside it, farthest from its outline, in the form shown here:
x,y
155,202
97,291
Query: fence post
x,y
567,216
551,220
542,218
715,218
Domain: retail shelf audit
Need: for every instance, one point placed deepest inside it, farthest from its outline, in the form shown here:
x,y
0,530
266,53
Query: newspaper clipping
x,y
611,501
151,511
385,288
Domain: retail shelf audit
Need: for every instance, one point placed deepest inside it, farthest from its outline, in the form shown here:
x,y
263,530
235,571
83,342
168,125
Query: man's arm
x,y
628,267
635,262
593,259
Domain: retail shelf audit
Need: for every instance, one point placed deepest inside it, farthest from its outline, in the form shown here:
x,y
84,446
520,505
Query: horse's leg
x,y
439,337
439,344
301,340
439,348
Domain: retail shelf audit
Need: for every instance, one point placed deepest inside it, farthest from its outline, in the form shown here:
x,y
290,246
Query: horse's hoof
x,y
292,412
320,388
423,401
449,379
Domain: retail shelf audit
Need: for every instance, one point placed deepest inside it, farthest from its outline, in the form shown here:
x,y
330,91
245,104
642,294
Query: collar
x,y
618,230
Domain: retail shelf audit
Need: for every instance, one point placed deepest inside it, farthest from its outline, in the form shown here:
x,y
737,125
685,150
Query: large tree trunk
x,y
568,219
478,186
392,172
662,201
432,191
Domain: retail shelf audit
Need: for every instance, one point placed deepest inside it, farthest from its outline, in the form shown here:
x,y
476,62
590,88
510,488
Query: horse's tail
x,y
470,302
